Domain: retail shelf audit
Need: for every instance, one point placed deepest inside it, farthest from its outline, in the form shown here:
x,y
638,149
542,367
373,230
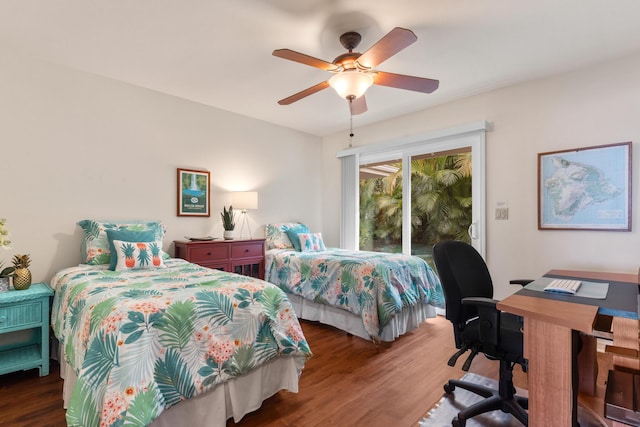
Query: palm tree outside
x,y
441,203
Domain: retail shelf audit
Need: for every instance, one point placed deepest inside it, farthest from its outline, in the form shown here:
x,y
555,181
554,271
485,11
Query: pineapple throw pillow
x,y
138,255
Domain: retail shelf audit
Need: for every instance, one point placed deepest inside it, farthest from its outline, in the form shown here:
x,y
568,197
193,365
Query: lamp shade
x,y
351,83
244,200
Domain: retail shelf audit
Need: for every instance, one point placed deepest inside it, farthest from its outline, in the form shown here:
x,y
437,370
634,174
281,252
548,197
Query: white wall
x,y
593,106
76,145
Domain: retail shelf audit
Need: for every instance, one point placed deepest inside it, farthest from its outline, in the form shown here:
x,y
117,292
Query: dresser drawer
x,y
240,256
20,314
247,250
208,253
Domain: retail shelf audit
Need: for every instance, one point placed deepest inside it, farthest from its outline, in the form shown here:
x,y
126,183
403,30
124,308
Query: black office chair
x,y
478,326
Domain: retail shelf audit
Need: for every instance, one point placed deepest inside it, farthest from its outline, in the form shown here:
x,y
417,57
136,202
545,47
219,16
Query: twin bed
x,y
373,295
145,339
168,344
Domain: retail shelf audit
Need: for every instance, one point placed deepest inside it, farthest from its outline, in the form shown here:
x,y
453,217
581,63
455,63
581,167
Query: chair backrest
x,y
463,273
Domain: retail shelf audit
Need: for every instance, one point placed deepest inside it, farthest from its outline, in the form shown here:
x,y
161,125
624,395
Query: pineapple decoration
x,y
128,250
22,275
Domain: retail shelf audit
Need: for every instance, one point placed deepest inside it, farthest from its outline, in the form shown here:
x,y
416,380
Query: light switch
x,y
502,213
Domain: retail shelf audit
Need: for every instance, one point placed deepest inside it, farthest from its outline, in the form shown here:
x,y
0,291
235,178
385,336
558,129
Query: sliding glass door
x,y
407,197
439,201
381,206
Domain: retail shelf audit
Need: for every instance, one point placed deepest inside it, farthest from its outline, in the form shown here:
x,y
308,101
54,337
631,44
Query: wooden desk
x,y
550,325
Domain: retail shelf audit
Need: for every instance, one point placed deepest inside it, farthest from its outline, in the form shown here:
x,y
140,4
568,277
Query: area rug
x,y
447,408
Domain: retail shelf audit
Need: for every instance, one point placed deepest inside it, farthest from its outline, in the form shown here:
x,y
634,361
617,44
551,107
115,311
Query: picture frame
x,y
194,194
585,188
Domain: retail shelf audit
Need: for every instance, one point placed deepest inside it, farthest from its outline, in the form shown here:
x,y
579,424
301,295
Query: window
x,y
405,197
380,207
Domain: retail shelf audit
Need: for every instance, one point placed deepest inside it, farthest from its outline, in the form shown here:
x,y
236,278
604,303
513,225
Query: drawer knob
x,y
246,250
3,319
209,253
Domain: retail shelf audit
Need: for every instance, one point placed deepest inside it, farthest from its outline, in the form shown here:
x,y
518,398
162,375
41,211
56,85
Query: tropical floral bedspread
x,y
372,285
141,341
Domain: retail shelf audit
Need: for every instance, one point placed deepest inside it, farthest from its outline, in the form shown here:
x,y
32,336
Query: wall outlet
x,y
502,213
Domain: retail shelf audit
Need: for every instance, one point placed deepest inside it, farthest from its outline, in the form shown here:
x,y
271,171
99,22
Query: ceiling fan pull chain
x,y
350,121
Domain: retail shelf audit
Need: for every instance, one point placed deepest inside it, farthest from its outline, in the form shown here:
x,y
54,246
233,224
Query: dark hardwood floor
x,y
29,400
348,382
351,382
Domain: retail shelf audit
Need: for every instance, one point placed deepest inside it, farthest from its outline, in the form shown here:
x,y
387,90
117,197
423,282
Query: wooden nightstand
x,y
236,256
22,311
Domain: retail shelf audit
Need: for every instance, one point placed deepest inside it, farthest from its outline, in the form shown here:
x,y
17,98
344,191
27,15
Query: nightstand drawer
x,y
247,250
208,253
20,314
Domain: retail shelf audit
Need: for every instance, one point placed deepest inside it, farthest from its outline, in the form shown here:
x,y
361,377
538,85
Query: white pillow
x,y
139,255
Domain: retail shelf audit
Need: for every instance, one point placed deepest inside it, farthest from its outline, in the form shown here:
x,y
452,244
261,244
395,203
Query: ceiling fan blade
x,y
392,43
358,105
304,93
401,81
292,55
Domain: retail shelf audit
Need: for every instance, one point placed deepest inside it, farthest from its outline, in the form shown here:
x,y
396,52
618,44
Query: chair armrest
x,y
480,302
488,320
521,282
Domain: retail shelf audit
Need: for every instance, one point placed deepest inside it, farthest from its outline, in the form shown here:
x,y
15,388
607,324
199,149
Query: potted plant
x,y
4,243
4,234
228,222
5,273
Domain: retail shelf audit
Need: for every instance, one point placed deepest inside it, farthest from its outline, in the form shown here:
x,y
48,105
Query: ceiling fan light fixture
x,y
351,84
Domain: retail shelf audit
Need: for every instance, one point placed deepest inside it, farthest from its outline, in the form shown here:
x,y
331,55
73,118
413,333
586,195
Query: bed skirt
x,y
407,320
235,398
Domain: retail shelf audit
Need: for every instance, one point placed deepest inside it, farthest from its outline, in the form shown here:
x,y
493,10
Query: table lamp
x,y
244,200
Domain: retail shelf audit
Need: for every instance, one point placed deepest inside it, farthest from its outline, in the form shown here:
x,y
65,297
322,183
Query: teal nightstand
x,y
26,310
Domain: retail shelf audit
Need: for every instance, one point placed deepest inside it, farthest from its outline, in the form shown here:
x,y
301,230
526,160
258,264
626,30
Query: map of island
x,y
586,188
575,186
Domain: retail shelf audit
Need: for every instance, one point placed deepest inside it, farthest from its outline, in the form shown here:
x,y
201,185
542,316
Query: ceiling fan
x,y
354,72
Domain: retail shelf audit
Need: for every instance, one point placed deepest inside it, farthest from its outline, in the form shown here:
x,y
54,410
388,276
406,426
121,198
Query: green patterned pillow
x,y
293,232
138,255
276,234
95,243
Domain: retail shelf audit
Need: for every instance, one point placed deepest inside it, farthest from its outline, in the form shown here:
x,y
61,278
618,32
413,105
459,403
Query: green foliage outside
x,y
440,210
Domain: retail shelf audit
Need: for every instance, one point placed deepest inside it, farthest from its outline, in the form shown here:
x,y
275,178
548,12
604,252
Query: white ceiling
x,y
218,52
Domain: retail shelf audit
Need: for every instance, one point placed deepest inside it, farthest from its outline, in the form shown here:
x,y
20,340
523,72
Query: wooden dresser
x,y
236,256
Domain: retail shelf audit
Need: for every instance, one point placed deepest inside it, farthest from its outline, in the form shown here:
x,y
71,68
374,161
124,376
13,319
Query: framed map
x,y
585,188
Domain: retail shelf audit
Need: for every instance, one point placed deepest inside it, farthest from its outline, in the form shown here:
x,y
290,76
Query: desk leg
x,y
625,334
549,349
588,365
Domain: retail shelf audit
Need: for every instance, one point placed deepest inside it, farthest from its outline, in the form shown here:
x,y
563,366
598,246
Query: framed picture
x,y
194,195
585,188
